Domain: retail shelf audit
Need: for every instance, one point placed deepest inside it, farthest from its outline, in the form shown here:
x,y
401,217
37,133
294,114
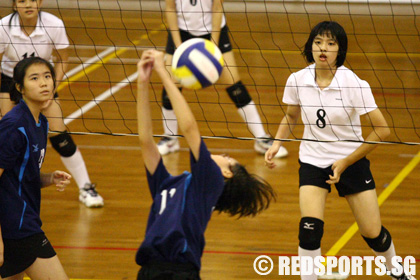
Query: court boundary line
x,y
102,97
92,67
79,71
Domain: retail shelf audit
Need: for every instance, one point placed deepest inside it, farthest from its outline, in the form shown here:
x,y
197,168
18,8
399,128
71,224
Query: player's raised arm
x,y
149,149
186,119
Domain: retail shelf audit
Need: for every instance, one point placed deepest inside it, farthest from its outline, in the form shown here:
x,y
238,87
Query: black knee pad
x,y
380,243
239,94
63,144
310,233
166,103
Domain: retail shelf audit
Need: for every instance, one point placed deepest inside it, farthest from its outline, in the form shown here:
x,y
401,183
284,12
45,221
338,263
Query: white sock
x,y
76,166
311,253
388,254
170,124
249,114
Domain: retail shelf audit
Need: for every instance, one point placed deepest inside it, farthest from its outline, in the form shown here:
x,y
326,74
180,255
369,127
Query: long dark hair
x,y
336,31
245,194
19,75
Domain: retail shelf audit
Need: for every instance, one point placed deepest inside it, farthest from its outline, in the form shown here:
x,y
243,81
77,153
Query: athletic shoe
x,y
262,145
90,197
168,145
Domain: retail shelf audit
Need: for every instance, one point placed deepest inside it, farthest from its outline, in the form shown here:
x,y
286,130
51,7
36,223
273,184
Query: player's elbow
x,y
386,132
146,141
189,127
290,119
383,132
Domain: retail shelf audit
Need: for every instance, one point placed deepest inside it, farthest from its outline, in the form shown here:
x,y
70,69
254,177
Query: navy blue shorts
x,y
6,83
166,271
19,254
356,178
224,41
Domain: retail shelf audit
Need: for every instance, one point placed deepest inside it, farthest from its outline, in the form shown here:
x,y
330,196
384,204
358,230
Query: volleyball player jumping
x,y
182,205
331,98
205,19
28,32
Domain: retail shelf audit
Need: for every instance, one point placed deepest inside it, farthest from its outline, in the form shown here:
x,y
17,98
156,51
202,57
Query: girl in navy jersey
x,y
331,98
182,205
205,19
23,142
28,32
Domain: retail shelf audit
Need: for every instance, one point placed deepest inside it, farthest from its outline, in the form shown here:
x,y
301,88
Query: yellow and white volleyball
x,y
197,63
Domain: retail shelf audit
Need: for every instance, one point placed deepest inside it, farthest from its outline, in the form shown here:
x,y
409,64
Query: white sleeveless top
x,y
332,114
48,35
195,16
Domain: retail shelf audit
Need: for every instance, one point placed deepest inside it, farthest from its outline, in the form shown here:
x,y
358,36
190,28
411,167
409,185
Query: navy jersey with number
x,y
22,149
182,207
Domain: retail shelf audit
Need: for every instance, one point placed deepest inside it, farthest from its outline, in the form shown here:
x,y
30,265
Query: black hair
x,y
14,12
244,194
19,75
330,28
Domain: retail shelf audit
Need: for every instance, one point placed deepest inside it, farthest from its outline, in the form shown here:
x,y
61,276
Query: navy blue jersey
x,y
23,144
182,207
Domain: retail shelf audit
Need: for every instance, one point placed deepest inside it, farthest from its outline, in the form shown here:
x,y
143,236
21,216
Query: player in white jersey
x,y
29,32
205,19
330,99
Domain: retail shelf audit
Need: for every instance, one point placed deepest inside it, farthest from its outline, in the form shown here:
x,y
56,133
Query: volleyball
x,y
197,63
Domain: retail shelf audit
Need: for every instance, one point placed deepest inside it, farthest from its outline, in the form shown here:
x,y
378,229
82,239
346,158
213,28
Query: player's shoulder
x,y
305,71
48,19
12,121
4,22
349,76
302,74
6,18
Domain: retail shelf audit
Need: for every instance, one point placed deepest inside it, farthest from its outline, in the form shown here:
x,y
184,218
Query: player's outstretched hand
x,y
150,59
61,179
159,58
145,66
269,155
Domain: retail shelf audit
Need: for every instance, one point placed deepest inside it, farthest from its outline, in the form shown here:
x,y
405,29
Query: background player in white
x,y
330,99
205,19
28,32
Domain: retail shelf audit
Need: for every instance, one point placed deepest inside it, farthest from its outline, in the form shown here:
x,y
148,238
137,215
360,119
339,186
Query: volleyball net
x,y
108,37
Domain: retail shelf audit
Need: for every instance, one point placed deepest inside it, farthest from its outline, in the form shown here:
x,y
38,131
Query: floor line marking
x,y
112,52
96,100
381,199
